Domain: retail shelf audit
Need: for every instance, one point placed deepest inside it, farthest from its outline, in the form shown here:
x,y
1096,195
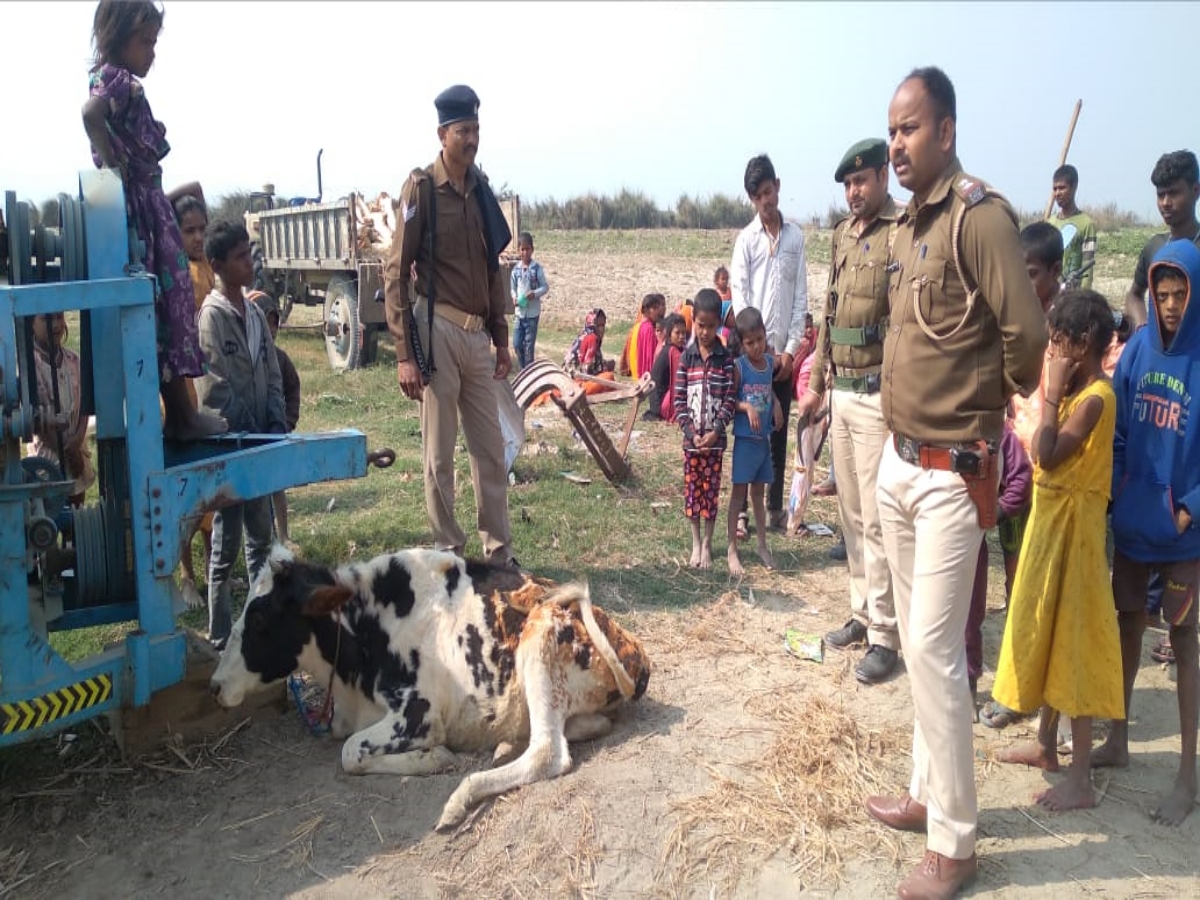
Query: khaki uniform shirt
x,y
858,276
461,273
954,388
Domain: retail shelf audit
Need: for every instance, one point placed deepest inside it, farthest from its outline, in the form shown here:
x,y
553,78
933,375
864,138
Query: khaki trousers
x,y
932,536
463,384
858,433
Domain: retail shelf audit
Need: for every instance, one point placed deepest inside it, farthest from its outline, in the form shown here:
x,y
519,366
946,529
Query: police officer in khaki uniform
x,y
965,333
851,345
448,365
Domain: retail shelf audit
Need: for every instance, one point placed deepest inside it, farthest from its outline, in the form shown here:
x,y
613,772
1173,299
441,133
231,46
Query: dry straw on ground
x,y
12,866
718,627
801,799
540,858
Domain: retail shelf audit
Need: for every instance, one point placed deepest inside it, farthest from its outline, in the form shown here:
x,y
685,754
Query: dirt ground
x,y
677,801
617,281
740,773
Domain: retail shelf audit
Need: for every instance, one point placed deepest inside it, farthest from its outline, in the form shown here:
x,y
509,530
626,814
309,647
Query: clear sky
x,y
665,98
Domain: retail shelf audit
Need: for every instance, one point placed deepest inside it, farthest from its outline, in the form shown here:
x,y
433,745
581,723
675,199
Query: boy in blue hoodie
x,y
1156,493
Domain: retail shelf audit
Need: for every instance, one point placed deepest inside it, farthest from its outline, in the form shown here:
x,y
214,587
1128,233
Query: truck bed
x,y
318,236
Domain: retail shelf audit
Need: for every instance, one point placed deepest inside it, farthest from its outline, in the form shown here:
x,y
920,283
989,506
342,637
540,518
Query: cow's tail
x,y
582,593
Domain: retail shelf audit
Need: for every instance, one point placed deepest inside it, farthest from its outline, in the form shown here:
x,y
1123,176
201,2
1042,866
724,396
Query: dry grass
x,y
802,799
297,852
516,850
719,627
12,866
177,758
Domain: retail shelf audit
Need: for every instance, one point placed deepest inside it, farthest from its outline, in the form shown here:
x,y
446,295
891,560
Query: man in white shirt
x,y
769,272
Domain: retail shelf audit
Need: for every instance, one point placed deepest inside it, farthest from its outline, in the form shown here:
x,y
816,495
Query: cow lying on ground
x,y
429,655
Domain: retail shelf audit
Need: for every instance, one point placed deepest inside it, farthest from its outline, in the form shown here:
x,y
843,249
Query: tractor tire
x,y
342,324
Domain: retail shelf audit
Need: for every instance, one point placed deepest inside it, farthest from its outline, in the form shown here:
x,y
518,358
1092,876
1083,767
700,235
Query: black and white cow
x,y
429,655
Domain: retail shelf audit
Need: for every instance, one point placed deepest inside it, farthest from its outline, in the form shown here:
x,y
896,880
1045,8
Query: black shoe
x,y
876,665
838,551
853,632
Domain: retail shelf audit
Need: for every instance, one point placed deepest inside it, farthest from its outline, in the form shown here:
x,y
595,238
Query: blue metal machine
x,y
112,561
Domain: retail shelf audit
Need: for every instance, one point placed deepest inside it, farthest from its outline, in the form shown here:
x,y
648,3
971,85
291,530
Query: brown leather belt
x,y
464,320
965,459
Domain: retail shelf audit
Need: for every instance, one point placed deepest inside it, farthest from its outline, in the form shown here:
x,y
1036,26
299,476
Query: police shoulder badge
x,y
970,190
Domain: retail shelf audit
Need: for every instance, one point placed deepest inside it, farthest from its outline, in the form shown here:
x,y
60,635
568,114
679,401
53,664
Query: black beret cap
x,y
867,154
455,104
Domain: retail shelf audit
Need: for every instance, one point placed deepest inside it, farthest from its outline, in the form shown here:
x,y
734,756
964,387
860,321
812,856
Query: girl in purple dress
x,y
126,137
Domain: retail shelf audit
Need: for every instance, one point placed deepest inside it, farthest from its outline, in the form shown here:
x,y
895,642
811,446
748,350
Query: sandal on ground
x,y
1162,651
743,526
997,715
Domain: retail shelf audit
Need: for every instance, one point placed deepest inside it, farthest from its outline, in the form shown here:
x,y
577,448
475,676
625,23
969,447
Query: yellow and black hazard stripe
x,y
25,715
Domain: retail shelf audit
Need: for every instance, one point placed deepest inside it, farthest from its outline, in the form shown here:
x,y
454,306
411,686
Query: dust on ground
x,y
729,778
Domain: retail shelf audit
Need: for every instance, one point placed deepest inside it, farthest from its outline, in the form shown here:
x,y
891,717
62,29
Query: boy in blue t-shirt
x,y
528,287
758,414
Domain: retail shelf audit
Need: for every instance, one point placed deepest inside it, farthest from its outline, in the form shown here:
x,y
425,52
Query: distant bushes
x,y
834,213
229,207
633,209
1107,217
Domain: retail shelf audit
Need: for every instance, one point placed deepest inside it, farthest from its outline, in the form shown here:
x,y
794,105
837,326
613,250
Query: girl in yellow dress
x,y
1061,648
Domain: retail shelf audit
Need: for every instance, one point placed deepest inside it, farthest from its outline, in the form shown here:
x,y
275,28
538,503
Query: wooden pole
x,y
1062,160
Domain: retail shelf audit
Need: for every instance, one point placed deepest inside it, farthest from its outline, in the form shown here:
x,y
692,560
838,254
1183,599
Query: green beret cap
x,y
869,154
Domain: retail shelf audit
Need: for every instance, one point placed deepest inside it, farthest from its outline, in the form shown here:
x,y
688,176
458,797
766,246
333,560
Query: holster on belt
x,y
984,488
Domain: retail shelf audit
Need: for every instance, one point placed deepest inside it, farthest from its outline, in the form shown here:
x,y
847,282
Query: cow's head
x,y
276,625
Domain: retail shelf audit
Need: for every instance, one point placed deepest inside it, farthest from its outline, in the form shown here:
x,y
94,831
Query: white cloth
x,y
512,421
775,282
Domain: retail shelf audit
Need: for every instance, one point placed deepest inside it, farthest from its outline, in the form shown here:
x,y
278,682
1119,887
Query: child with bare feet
x,y
705,394
1061,645
758,414
1156,478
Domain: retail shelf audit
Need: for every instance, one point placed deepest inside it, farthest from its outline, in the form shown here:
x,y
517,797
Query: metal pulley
x,y
45,253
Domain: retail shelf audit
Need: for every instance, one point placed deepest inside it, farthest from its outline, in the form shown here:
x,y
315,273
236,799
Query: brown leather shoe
x,y
938,877
902,813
